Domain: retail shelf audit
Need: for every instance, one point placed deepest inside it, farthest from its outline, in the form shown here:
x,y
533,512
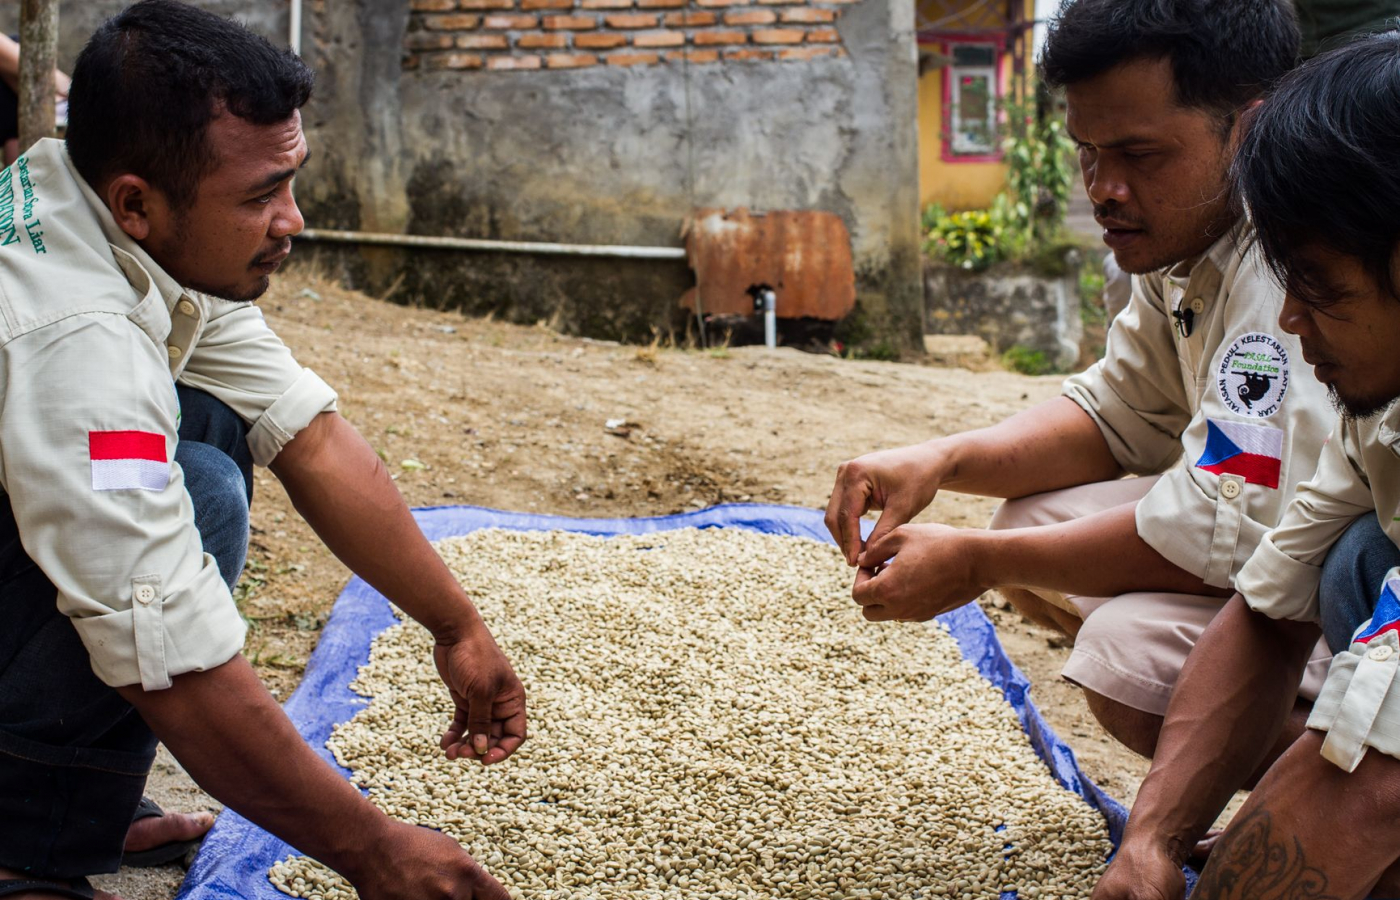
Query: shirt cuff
x,y
306,399
159,637
1279,586
1359,706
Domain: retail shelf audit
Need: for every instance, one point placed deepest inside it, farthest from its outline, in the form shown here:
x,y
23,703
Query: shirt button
x,y
1229,489
1380,654
175,352
186,308
1198,306
145,594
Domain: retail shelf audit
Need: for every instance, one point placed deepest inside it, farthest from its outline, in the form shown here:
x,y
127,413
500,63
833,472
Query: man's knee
x,y
1133,728
218,492
1041,612
1351,579
205,419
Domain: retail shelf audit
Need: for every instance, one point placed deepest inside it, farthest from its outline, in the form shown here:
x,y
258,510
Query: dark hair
x,y
151,79
1317,163
1223,53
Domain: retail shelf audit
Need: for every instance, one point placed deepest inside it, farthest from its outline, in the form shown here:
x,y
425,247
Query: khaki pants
x,y
1131,648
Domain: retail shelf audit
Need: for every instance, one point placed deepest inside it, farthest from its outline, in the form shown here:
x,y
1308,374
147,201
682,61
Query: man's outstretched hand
x,y
900,482
489,723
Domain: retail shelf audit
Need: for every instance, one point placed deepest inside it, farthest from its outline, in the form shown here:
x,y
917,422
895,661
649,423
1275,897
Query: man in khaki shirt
x,y
139,387
1317,168
1200,392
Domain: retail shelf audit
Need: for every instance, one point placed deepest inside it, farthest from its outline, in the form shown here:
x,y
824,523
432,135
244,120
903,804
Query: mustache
x,y
1105,211
282,250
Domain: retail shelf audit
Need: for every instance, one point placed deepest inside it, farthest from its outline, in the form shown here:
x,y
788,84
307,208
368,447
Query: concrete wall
x,y
1009,306
603,154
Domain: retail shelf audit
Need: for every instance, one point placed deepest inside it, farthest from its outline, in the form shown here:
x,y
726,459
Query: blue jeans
x,y
73,754
1351,579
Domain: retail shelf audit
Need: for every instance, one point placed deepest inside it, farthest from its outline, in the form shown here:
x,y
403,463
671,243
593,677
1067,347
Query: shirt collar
x,y
1218,254
170,289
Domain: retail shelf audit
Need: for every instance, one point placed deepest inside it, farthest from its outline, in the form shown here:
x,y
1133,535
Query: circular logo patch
x,y
1253,375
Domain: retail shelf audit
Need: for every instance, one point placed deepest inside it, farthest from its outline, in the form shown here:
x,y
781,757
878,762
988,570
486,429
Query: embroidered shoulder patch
x,y
128,461
1254,452
1253,375
1387,614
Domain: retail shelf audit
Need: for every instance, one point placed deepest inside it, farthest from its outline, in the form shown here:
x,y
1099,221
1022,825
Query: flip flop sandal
x,y
155,856
74,888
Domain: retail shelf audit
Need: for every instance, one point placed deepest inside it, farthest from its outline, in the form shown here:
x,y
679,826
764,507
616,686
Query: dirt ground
x,y
515,418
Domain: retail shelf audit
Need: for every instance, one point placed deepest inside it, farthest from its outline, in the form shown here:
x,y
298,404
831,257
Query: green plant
x,y
1091,310
1027,361
1039,178
931,215
970,240
1025,221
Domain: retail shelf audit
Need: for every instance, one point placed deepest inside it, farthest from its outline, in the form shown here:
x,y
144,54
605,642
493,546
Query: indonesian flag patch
x,y
128,461
1254,452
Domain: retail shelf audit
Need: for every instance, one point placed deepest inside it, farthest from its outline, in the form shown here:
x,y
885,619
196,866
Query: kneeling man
x,y
1317,168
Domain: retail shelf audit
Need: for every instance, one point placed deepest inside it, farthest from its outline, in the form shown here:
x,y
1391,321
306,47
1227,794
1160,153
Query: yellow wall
x,y
959,185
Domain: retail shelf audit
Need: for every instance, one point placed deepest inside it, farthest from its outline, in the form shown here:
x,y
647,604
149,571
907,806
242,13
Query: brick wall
x,y
572,34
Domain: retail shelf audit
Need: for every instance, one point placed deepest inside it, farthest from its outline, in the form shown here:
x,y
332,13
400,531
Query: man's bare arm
x,y
1311,829
1228,709
1053,445
236,742
340,486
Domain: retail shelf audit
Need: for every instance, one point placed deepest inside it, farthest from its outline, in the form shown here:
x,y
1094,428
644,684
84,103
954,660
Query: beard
x,y
175,247
1358,409
234,293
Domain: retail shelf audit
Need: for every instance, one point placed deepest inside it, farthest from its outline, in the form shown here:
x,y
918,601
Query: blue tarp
x,y
237,855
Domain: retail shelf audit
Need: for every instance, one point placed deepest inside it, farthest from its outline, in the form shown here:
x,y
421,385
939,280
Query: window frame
x,y
950,74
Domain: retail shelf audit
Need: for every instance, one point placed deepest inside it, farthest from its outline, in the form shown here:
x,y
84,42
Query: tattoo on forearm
x,y
1252,862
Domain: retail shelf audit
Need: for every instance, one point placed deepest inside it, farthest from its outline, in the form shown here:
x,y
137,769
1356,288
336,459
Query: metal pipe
x,y
453,243
770,317
294,36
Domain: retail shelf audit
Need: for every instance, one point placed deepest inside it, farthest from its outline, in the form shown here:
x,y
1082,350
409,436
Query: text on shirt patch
x,y
9,232
1253,375
1253,452
128,461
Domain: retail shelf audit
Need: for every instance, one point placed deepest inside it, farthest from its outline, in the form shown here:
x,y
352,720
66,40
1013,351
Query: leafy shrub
x,y
1027,361
970,240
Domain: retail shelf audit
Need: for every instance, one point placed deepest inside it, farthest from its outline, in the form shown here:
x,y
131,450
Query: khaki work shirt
x,y
95,335
1226,408
1358,473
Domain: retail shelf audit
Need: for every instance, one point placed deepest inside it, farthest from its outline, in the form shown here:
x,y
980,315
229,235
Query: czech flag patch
x,y
1254,452
128,461
1387,614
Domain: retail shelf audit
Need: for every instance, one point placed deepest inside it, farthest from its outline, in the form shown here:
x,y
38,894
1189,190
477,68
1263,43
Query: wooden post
x,y
38,54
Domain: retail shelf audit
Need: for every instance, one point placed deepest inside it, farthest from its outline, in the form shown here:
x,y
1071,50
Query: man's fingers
x,y
850,500
875,614
479,703
869,588
451,742
507,738
881,547
487,887
503,749
889,520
